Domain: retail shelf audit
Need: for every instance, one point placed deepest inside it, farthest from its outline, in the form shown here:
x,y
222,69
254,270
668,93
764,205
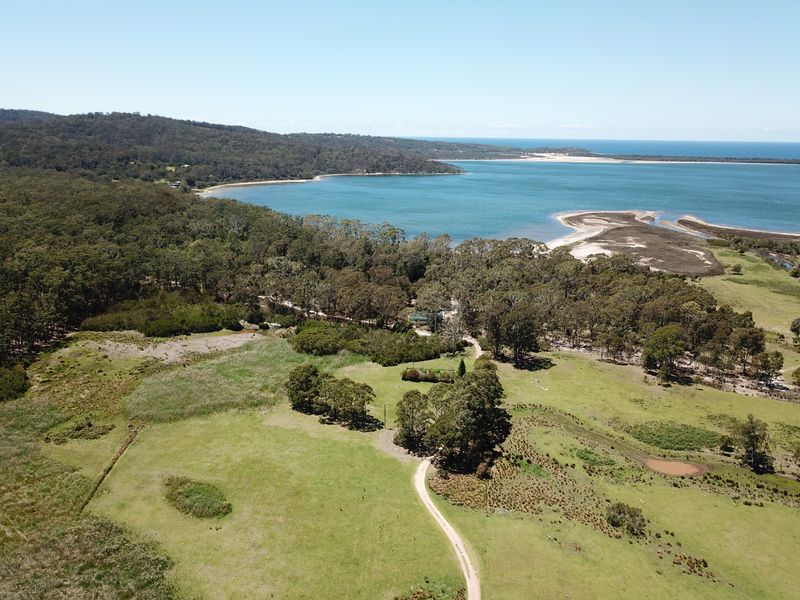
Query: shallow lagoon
x,y
511,198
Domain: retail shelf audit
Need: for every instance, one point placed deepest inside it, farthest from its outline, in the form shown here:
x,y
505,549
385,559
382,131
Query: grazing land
x,y
317,508
768,291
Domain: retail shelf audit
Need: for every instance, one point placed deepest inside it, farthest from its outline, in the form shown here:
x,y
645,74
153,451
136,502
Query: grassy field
x,y
49,548
607,396
252,375
610,397
768,291
318,511
547,556
388,384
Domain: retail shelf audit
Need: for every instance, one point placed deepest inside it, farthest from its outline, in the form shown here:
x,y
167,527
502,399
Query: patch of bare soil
x,y
173,350
384,441
674,467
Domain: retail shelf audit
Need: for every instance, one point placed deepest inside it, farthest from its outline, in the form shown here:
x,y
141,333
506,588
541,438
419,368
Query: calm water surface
x,y
501,199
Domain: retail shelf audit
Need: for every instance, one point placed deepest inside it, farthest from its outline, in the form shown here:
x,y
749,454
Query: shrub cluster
x,y
82,429
341,401
461,422
429,375
13,382
629,518
283,320
384,347
196,498
674,436
169,315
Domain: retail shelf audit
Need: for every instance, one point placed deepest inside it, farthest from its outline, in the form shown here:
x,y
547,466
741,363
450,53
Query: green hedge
x,y
429,375
196,498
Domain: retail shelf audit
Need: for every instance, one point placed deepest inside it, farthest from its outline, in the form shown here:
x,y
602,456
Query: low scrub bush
x,y
319,338
196,498
82,429
674,436
592,458
434,592
629,518
13,382
429,375
388,349
283,320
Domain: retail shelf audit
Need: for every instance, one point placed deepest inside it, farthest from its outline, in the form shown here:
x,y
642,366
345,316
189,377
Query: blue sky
x,y
701,69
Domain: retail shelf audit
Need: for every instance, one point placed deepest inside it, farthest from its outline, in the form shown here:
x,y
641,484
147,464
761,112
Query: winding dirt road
x,y
467,568
475,344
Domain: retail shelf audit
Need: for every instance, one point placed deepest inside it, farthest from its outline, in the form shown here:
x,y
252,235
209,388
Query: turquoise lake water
x,y
500,199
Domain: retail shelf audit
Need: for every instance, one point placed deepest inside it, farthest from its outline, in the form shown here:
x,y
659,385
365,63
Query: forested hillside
x,y
8,115
152,148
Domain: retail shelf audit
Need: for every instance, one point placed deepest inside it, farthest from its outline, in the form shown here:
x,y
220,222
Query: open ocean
x,y
501,199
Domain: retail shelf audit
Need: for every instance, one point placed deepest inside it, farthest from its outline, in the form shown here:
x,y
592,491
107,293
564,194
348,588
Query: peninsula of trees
x,y
120,146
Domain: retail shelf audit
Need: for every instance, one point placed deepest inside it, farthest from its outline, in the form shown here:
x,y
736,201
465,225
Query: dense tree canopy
x,y
461,423
152,148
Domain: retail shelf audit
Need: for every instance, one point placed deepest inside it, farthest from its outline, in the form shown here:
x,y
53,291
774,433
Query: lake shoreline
x,y
695,224
521,199
208,191
555,157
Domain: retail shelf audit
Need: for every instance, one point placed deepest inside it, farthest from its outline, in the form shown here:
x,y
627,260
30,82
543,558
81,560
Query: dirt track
x,y
467,568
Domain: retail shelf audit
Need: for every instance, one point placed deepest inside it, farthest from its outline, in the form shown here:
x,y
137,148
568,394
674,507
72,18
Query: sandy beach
x,y
685,222
589,224
209,190
558,157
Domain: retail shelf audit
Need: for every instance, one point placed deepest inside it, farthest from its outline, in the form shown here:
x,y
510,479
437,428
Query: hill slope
x,y
151,148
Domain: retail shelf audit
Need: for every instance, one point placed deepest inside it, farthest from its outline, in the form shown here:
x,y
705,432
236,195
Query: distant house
x,y
424,317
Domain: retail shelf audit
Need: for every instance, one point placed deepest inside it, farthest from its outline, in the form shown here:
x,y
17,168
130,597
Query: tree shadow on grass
x,y
366,424
676,378
530,363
